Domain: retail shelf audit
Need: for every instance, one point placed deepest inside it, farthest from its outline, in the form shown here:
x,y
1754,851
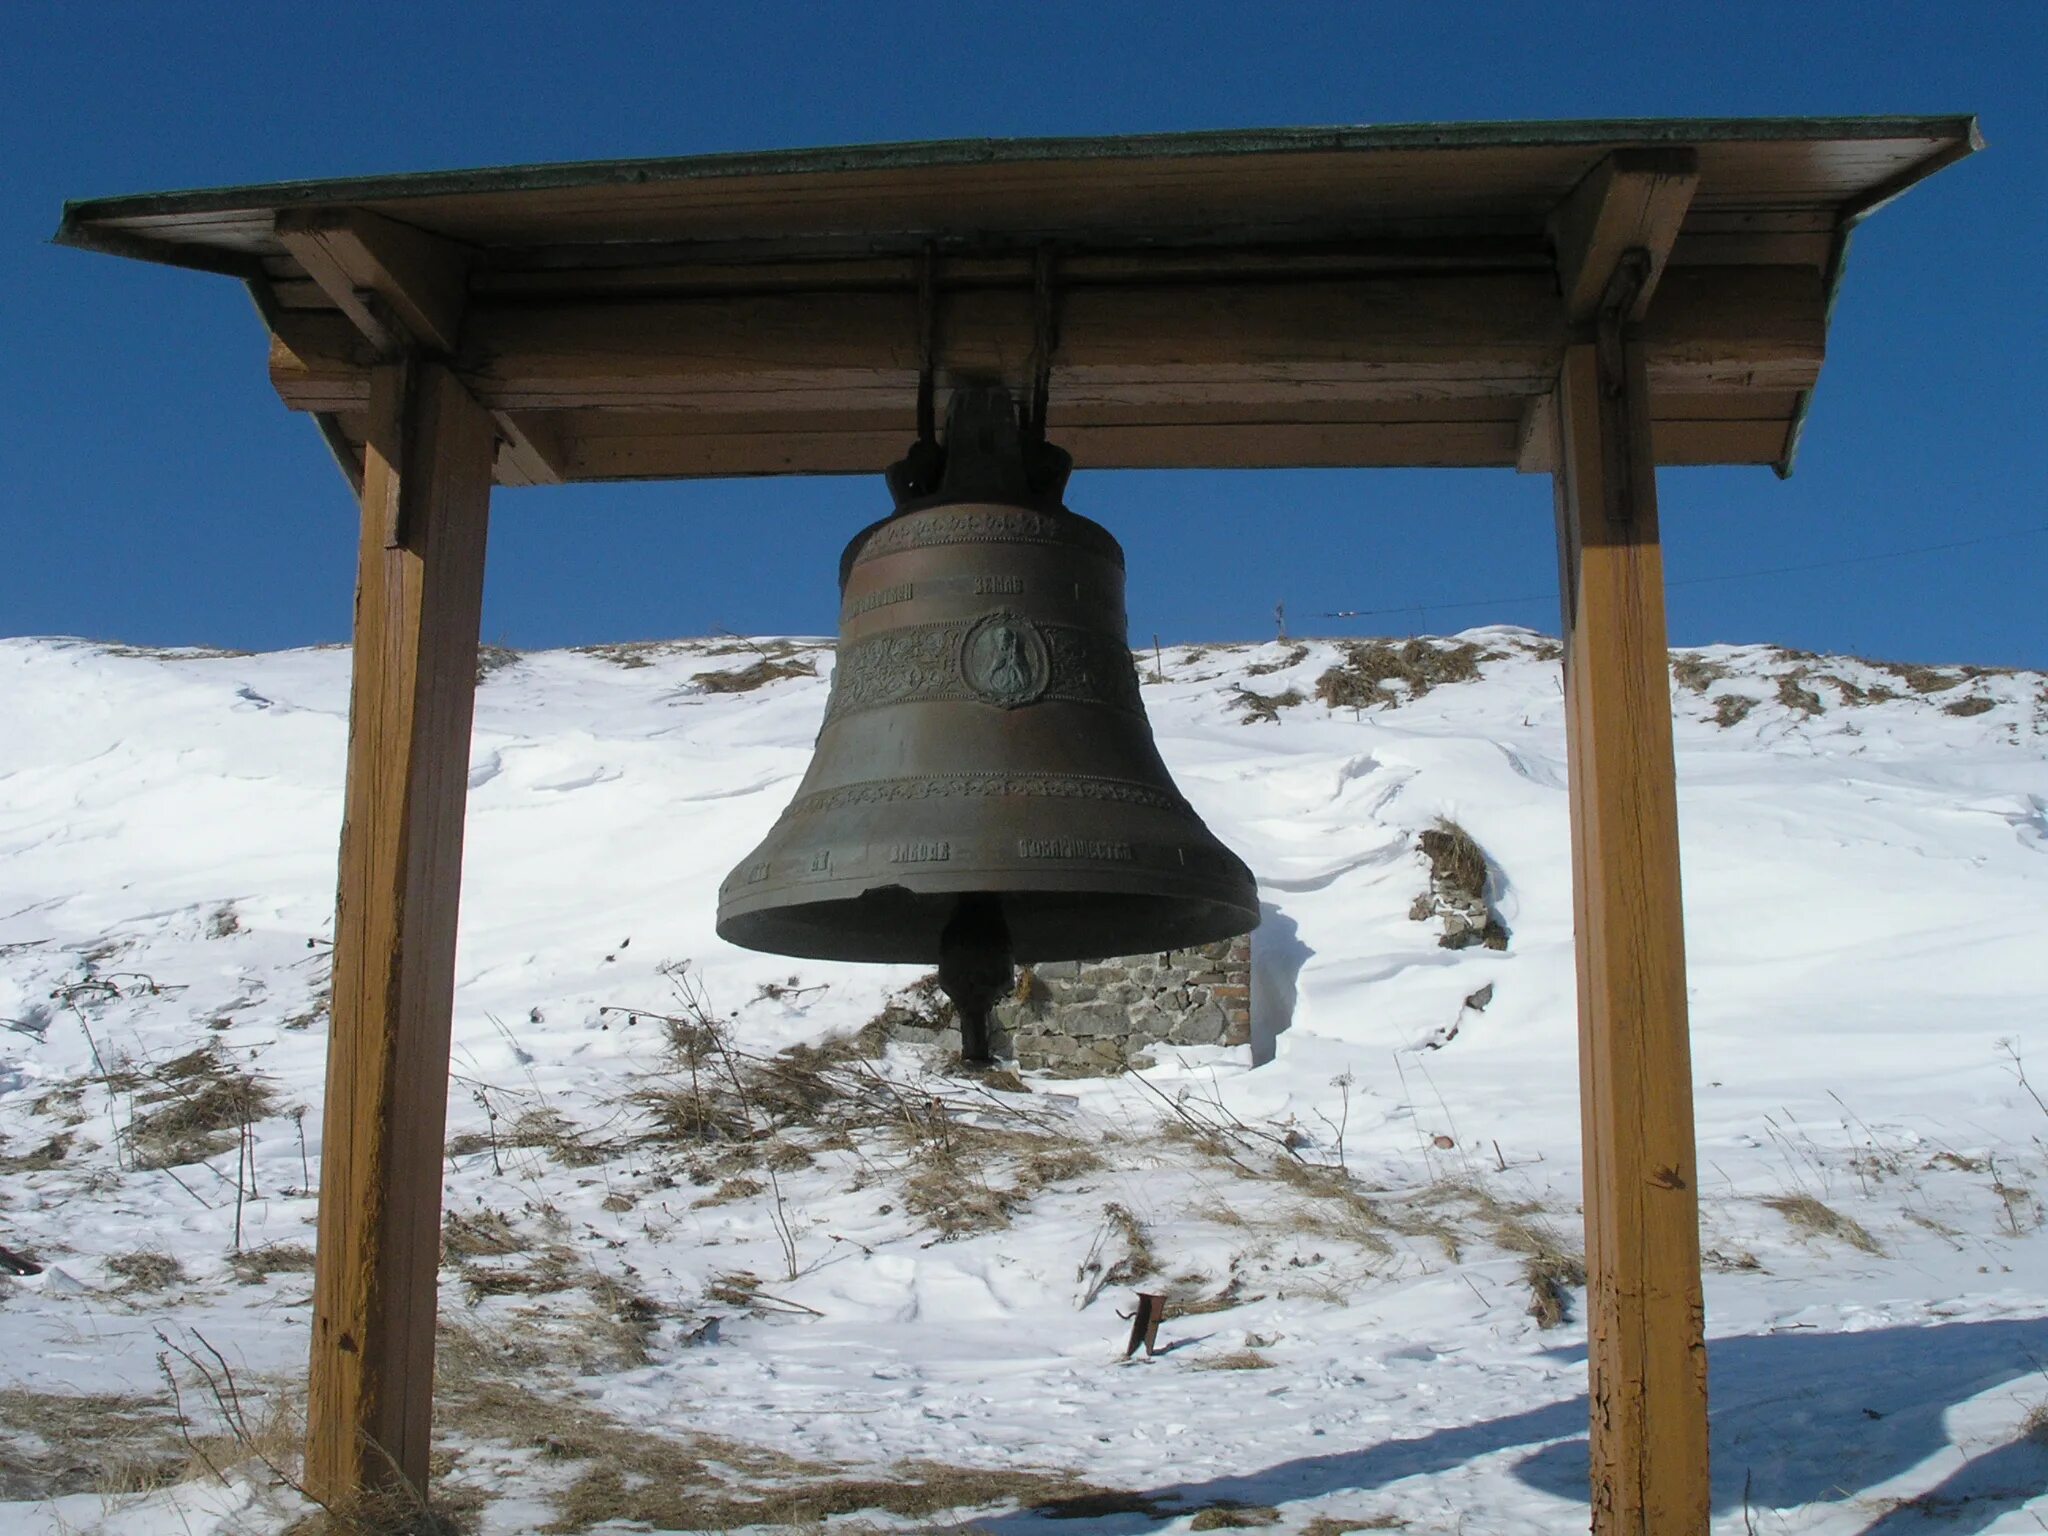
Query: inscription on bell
x,y
921,853
1071,848
821,861
998,586
756,873
881,597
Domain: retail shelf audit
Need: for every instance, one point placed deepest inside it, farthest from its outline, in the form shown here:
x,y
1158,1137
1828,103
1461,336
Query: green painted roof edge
x,y
78,215
1838,263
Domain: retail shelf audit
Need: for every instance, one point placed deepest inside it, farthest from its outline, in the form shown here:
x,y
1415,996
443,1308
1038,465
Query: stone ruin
x,y
1089,1018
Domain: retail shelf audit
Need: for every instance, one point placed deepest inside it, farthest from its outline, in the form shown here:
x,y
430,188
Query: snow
x,y
1864,889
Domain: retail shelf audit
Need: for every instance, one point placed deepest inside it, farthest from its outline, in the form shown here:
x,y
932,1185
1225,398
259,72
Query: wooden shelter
x,y
1589,299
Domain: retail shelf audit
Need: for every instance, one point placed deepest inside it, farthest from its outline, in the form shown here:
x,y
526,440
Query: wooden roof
x,y
1292,296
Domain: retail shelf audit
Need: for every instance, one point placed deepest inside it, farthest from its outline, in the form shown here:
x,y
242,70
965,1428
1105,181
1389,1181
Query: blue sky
x,y
157,492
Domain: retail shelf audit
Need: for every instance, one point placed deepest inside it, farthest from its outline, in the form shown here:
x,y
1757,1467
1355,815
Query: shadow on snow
x,y
1797,1419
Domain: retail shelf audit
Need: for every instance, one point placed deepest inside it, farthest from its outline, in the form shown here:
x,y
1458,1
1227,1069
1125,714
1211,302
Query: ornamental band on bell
x,y
1001,658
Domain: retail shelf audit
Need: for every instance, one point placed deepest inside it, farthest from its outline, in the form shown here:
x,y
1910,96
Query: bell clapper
x,y
976,971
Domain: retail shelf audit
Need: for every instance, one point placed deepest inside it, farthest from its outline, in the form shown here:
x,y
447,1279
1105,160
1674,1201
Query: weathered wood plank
x,y
706,451
1646,1353
426,494
812,354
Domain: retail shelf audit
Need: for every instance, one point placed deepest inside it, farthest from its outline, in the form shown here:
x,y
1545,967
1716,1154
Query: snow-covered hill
x,y
711,1261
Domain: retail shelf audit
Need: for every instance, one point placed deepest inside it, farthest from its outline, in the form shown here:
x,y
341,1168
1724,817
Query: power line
x,y
1699,581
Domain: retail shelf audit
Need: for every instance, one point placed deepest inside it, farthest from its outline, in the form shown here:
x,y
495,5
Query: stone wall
x,y
1086,1018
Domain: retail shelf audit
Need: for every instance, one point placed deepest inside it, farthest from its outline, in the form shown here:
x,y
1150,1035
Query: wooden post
x,y
1646,1356
419,594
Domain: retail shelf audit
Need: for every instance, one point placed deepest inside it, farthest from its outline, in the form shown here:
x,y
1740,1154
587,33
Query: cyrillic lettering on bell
x,y
881,597
998,586
921,853
821,861
1072,848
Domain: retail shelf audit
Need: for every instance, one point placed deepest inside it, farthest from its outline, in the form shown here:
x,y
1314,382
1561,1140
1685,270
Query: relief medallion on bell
x,y
1004,659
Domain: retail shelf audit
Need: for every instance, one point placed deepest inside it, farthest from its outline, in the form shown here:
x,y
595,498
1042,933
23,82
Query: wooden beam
x,y
666,446
1646,1355
426,494
1536,434
419,281
1634,199
1298,345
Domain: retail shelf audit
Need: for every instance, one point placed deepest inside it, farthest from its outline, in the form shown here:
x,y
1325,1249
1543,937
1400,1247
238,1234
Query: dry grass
x,y
507,1389
947,1189
761,673
1360,680
1457,889
1258,708
545,1129
549,1271
1923,679
742,1119
1326,1525
482,1234
1801,700
1236,1360
1185,1298
1336,1207
729,1190
146,1269
1296,655
494,658
1695,672
1976,704
1234,1517
1732,709
46,1155
255,1265
1456,864
634,654
205,1099
1551,1267
54,1444
58,1444
1726,1262
1138,1261
1810,1218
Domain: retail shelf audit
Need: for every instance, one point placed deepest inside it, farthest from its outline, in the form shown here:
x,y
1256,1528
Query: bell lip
x,y
1210,909
1198,921
1143,881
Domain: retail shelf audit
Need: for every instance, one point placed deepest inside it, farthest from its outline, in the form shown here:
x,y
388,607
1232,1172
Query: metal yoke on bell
x,y
985,778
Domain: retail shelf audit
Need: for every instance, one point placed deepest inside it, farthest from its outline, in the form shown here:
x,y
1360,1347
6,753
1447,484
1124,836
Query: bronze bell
x,y
985,787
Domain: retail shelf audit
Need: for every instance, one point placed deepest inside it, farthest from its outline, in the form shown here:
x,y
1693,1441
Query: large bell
x,y
985,786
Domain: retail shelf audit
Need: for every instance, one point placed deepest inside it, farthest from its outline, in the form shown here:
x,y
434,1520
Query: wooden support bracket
x,y
530,450
1613,235
403,288
1634,199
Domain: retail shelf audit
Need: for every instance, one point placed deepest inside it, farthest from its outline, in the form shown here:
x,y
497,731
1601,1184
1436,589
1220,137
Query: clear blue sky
x,y
157,492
